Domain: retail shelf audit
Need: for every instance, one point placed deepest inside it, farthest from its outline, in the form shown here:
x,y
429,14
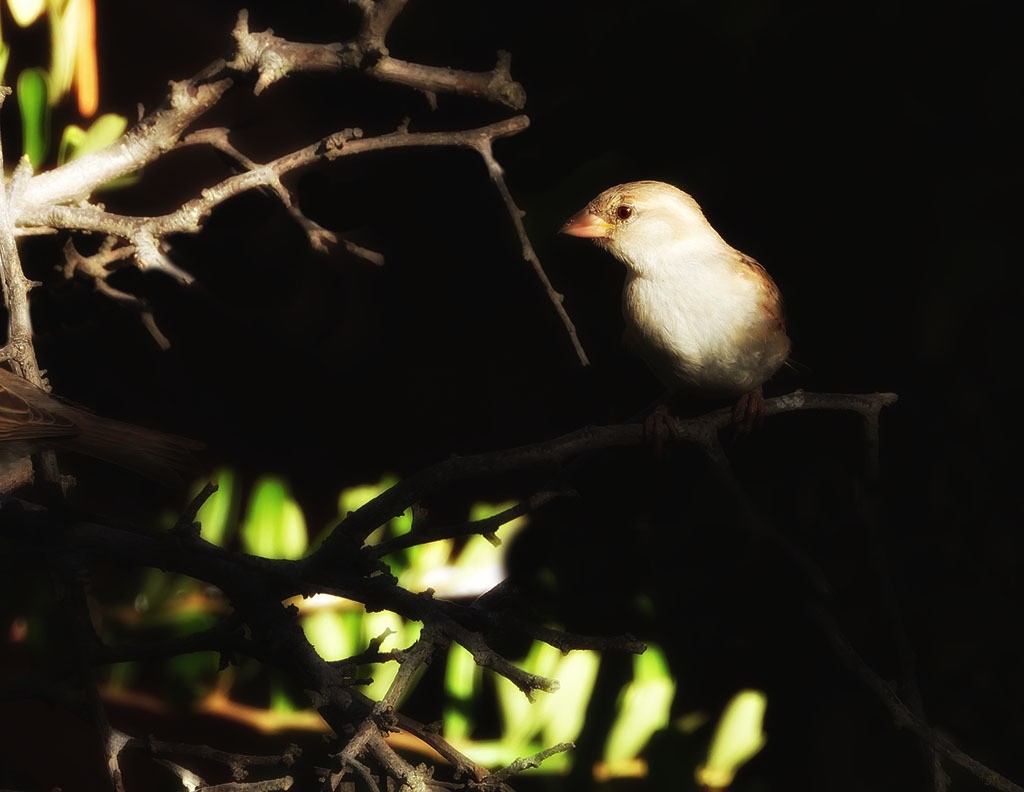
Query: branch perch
x,y
257,586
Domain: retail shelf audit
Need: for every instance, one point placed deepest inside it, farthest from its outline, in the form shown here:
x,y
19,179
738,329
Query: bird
x,y
705,318
32,421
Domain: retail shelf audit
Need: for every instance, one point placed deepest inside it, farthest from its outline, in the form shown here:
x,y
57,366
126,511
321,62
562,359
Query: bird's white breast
x,y
694,318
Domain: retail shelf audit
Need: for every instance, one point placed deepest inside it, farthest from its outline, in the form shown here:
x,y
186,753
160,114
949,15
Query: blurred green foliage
x,y
644,708
77,142
34,103
72,70
738,738
274,526
266,520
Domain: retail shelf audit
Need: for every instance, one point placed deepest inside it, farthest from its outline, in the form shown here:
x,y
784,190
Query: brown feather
x,y
32,420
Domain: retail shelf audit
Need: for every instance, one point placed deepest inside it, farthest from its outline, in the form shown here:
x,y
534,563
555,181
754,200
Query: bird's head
x,y
642,222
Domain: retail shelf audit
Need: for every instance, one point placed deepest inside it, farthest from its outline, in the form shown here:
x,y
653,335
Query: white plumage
x,y
705,317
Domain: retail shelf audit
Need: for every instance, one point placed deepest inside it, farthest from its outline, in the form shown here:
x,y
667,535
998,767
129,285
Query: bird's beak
x,y
588,225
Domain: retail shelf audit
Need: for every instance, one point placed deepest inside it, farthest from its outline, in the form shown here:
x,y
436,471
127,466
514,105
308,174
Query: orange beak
x,y
587,225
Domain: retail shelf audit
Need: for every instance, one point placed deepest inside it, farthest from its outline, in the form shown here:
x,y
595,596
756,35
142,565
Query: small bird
x,y
32,421
706,318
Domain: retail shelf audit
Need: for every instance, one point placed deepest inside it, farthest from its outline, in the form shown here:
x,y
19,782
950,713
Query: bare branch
x,y
43,205
257,597
18,348
274,58
556,298
485,657
496,85
485,527
567,641
702,431
96,267
902,715
270,785
143,143
144,232
519,765
237,763
419,654
462,763
186,523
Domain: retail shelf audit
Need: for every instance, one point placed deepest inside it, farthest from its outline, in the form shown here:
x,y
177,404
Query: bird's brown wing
x,y
769,338
771,298
22,420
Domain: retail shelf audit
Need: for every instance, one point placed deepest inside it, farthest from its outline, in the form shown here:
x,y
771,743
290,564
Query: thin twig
x,y
485,527
186,523
557,299
360,523
903,716
519,765
416,656
237,763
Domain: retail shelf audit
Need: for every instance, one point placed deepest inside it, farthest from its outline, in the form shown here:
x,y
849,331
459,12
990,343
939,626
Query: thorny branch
x,y
19,349
256,587
903,715
59,199
702,431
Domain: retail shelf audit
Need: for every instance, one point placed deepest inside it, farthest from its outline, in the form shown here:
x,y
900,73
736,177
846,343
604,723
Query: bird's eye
x,y
624,212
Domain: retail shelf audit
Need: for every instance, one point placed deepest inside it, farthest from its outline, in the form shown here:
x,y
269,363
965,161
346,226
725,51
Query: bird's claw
x,y
659,430
748,413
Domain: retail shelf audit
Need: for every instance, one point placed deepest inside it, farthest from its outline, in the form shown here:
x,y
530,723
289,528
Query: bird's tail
x,y
161,457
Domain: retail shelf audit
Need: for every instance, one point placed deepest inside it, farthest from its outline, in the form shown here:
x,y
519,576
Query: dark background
x,y
865,154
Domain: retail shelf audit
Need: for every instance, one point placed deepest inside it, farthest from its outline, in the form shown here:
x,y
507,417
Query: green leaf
x,y
555,717
406,633
190,670
651,665
33,93
738,738
123,675
563,712
25,12
77,142
519,724
373,625
274,526
280,701
496,753
70,141
331,633
522,719
5,55
351,498
217,515
644,706
461,677
481,511
461,681
402,524
65,23
425,563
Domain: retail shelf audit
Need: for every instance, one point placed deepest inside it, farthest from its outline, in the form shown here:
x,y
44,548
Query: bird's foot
x,y
748,413
659,430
